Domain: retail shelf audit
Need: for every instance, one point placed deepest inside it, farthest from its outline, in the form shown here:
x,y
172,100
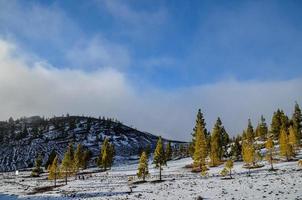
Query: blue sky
x,y
164,48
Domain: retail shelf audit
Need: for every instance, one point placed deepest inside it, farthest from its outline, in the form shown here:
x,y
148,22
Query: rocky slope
x,y
22,140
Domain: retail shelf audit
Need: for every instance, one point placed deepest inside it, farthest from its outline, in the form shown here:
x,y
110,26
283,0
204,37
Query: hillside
x,y
21,140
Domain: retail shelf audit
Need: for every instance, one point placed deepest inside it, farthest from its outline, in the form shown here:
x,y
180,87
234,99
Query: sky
x,y
151,64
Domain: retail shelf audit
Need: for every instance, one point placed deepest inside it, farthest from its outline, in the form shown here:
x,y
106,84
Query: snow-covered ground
x,y
180,183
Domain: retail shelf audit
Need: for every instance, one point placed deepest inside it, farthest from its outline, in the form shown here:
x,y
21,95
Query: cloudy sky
x,y
151,64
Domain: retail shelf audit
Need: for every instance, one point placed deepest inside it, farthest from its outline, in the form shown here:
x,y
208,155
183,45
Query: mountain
x,y
23,139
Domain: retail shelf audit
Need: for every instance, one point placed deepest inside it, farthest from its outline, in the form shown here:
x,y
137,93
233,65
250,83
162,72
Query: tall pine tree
x,y
216,148
54,170
143,166
200,148
169,151
297,122
67,167
262,130
159,156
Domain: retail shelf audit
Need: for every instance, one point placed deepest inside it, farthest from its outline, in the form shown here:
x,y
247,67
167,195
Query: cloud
x,y
98,52
31,87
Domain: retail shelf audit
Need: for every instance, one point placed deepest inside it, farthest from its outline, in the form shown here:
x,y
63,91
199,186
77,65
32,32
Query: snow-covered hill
x,y
23,139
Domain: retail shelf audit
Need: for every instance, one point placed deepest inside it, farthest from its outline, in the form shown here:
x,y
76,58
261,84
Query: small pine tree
x,y
67,167
168,151
248,155
262,129
292,139
54,170
250,132
269,145
236,149
297,122
37,169
78,159
143,166
229,166
284,145
159,156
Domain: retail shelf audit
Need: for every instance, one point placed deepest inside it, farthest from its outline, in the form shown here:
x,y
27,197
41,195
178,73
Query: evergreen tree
x,y
67,167
297,122
199,120
270,150
215,144
285,149
262,129
248,155
143,166
37,169
148,150
50,159
200,151
229,166
236,148
224,141
159,156
54,170
292,139
78,158
276,124
86,157
168,151
250,136
106,156
111,155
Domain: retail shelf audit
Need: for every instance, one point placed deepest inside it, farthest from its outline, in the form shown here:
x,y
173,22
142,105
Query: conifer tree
x,y
86,158
292,139
104,155
229,166
200,151
248,155
250,135
143,166
236,148
54,170
148,150
276,124
67,167
269,145
199,120
262,129
168,151
50,159
297,122
159,156
78,158
111,155
37,169
215,144
283,144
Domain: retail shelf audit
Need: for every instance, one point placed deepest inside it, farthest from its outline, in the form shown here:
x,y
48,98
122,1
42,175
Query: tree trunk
x,y
160,172
55,178
230,173
65,178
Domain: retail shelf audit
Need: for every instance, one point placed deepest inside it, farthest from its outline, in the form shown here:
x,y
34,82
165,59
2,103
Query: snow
x,y
180,183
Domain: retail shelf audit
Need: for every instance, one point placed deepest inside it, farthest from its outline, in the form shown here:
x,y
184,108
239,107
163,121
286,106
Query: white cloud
x,y
98,52
30,88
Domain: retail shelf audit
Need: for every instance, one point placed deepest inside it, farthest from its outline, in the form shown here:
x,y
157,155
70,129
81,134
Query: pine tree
x,y
78,158
143,166
37,169
199,120
200,151
67,167
276,124
283,143
262,129
168,151
236,148
111,155
148,150
50,159
54,170
269,145
248,155
297,122
215,144
159,156
292,139
86,157
229,166
250,135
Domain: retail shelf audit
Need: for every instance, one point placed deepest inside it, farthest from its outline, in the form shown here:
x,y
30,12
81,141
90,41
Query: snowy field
x,y
180,183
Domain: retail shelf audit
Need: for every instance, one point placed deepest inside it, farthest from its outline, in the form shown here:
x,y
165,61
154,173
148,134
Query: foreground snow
x,y
180,183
